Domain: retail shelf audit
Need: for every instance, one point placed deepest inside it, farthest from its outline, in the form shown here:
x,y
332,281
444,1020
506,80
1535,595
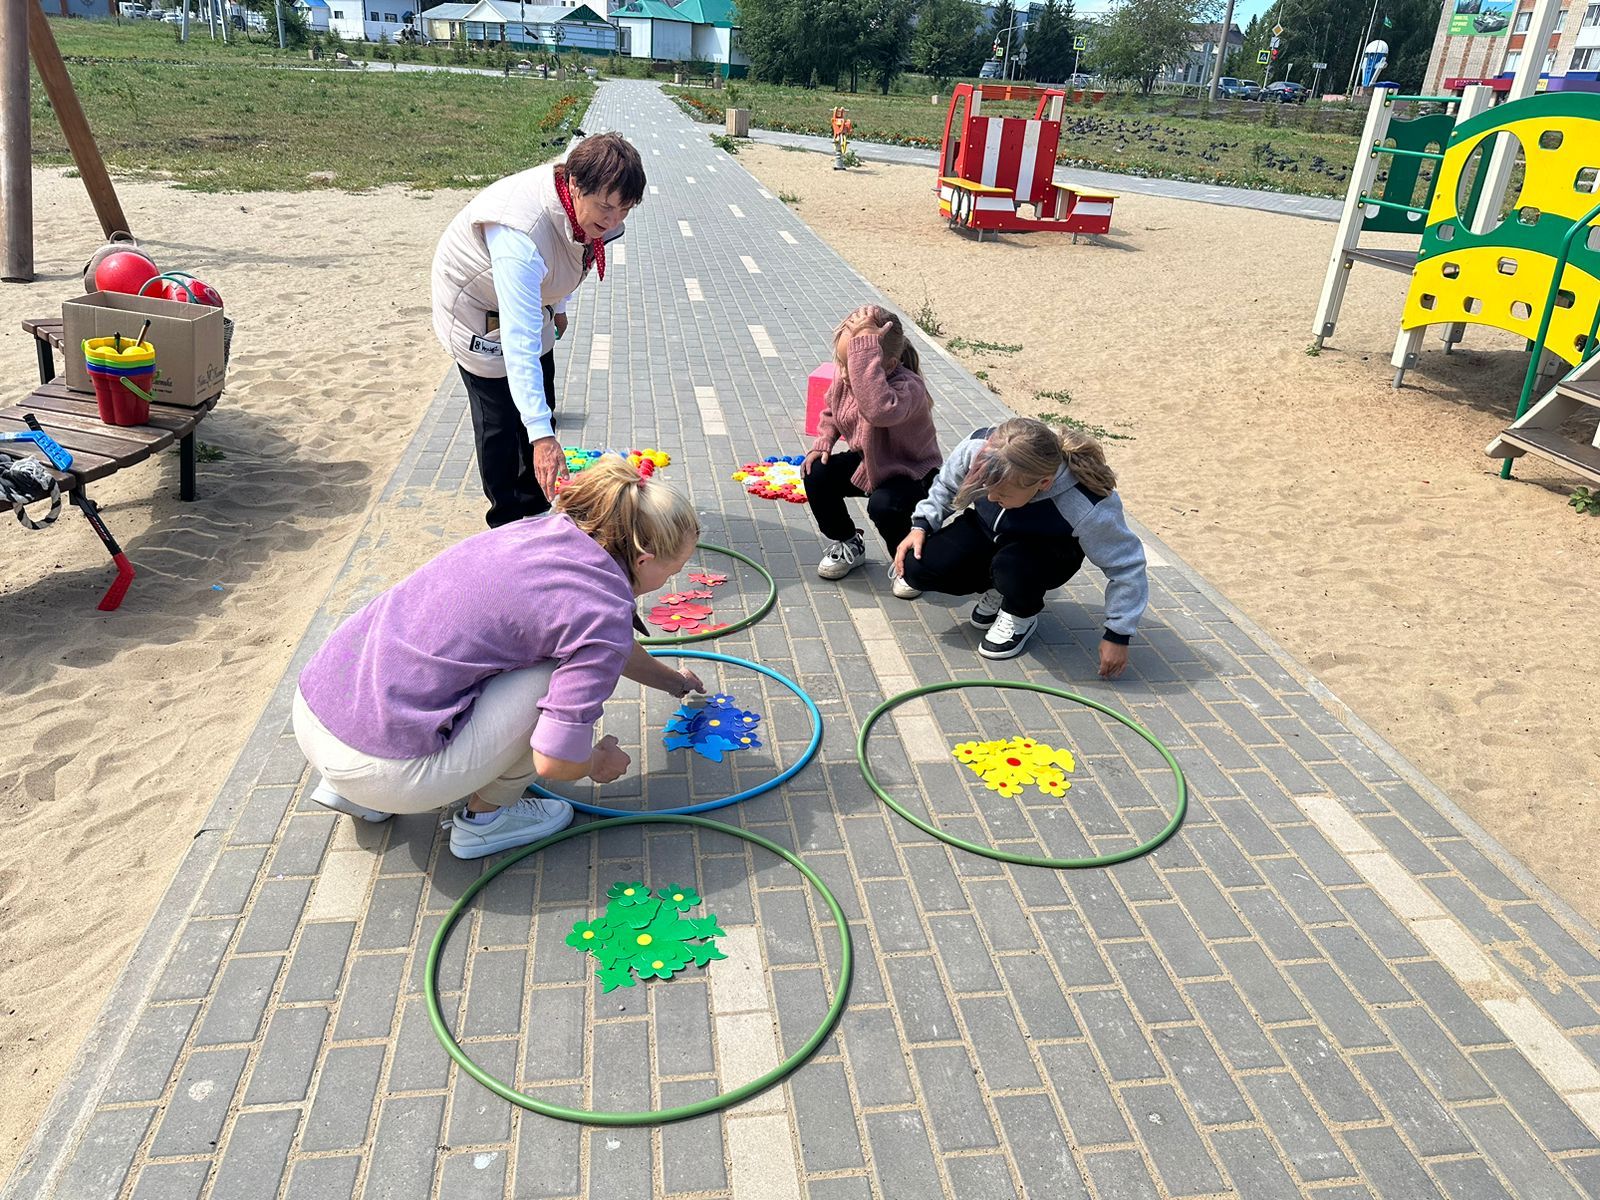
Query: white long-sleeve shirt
x,y
527,325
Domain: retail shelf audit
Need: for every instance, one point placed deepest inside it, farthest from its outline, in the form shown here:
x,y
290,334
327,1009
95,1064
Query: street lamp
x,y
1005,66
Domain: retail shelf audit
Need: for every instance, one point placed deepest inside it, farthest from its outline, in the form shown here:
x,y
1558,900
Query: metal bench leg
x,y
112,600
47,360
186,488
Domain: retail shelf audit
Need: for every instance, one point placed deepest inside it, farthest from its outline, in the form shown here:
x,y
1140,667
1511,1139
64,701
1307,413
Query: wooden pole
x,y
74,125
16,142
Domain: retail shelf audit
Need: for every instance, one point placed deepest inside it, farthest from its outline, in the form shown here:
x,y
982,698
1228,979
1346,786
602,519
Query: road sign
x,y
1277,31
1080,42
1264,57
1275,43
1319,66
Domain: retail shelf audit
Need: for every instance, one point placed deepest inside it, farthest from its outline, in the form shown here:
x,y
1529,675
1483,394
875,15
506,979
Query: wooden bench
x,y
98,450
968,198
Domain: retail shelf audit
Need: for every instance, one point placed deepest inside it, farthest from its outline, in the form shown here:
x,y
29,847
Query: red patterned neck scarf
x,y
593,251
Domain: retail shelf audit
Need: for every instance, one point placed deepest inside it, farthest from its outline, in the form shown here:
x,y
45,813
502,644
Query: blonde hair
x,y
1023,449
895,343
626,513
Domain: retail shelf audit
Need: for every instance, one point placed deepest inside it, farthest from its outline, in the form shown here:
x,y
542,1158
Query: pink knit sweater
x,y
887,418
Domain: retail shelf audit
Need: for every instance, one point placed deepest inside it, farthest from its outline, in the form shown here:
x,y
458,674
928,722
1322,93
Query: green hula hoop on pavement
x,y
743,622
1026,860
710,1104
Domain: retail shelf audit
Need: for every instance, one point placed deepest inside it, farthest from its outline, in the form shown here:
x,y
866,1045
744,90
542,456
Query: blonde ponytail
x,y
1086,459
1025,450
626,514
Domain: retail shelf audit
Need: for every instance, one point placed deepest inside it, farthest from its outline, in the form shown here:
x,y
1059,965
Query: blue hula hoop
x,y
689,810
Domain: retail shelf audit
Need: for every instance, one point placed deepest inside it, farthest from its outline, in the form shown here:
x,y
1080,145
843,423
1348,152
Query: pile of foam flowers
x,y
777,477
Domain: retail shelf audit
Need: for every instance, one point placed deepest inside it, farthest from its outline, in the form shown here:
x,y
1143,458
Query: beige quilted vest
x,y
463,279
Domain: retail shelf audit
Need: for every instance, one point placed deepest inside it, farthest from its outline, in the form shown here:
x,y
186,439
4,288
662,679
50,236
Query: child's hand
x,y
864,321
691,683
913,543
608,762
813,458
1113,658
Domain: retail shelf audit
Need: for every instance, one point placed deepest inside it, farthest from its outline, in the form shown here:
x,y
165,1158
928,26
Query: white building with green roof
x,y
691,31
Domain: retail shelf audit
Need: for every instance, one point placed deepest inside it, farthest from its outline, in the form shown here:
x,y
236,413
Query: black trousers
x,y
889,505
505,456
961,559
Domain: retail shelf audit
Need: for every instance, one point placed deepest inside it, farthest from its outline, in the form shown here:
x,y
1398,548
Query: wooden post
x,y
16,142
74,125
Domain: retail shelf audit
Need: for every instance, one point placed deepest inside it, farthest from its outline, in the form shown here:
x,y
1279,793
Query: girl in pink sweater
x,y
880,406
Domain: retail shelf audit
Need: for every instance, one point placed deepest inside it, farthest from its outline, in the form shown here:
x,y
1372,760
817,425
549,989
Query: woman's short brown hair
x,y
607,162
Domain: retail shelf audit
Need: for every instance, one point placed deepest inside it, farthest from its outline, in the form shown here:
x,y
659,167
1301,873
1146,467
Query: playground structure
x,y
842,128
989,167
1531,268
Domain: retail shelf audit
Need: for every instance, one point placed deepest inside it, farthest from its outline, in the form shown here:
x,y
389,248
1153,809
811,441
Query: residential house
x,y
1195,71
315,14
521,26
691,31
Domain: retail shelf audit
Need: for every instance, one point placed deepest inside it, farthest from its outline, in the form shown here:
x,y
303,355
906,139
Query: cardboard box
x,y
187,338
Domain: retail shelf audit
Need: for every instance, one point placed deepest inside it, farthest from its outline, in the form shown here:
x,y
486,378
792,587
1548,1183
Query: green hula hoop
x,y
1026,860
744,622
710,1104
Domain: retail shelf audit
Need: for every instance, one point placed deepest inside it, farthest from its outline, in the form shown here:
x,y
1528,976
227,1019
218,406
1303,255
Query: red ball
x,y
125,271
203,293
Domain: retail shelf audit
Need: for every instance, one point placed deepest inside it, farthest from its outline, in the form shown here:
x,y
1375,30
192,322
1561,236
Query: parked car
x,y
1230,88
1080,80
1251,90
1285,91
133,12
989,70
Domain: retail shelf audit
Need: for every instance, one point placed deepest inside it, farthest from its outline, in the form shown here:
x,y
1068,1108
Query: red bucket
x,y
123,373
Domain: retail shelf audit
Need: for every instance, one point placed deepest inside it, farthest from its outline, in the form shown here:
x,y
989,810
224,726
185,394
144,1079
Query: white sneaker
x,y
986,609
1007,636
528,820
902,589
843,557
328,798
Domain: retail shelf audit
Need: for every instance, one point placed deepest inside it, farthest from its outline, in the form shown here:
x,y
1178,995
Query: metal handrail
x,y
1435,155
1546,317
1410,208
1425,99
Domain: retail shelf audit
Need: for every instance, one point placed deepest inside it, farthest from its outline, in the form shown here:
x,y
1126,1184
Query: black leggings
x,y
961,559
889,505
505,456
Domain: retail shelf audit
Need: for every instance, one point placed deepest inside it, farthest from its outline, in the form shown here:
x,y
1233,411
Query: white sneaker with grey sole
x,y
528,820
1007,636
902,589
843,557
328,798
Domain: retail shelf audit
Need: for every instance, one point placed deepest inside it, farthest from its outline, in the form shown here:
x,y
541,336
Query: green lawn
x,y
221,125
1245,144
156,41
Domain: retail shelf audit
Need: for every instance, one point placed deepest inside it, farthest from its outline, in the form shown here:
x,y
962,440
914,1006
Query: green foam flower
x,y
588,935
680,896
628,894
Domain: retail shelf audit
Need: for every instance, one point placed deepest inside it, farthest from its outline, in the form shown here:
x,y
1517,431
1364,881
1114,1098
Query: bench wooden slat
x,y
55,396
86,466
119,451
978,189
75,426
47,329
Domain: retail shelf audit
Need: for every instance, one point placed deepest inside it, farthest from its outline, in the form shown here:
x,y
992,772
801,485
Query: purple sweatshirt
x,y
396,678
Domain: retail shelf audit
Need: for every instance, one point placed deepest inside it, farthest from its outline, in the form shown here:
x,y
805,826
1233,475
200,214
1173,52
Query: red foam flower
x,y
709,578
683,617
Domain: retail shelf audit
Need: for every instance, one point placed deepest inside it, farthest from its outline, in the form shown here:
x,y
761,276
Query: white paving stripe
x,y
758,334
713,170
711,418
600,352
654,190
683,228
736,210
656,152
763,193
1544,1045
692,288
761,1153
688,178
619,255
739,982
749,264
788,237
342,885
747,1047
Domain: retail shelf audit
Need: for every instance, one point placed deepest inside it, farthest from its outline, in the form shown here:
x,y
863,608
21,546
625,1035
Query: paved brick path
x,y
1324,986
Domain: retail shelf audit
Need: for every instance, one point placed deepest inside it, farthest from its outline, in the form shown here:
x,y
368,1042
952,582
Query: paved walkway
x,y
1325,985
1318,208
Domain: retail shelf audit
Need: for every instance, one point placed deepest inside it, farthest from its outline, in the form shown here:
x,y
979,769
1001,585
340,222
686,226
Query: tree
x,y
1005,16
1142,38
885,39
1050,53
946,40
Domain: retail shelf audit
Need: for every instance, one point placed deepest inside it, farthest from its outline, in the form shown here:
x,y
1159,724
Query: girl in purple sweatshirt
x,y
491,664
879,404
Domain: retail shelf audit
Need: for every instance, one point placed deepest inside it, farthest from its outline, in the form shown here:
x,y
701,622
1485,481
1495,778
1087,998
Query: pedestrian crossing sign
x,y
1080,42
1263,57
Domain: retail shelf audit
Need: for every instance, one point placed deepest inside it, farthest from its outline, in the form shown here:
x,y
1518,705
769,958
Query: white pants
x,y
488,753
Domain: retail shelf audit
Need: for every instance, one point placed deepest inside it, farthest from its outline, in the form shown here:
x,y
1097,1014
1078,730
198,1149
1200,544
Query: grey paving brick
x,y
1348,1191
902,1159
1324,1073
620,1049
255,1160
1209,910
549,1158
1217,853
1586,1170
1146,980
691,1155
282,1071
786,928
1200,1073
392,912
274,916
234,1014
405,1149
1535,1101
1238,1033
985,1175
967,961
99,1165
825,1116
494,994
1564,949
871,848
151,1055
230,882
1283,936
919,998
843,1187
1270,797
1102,907
877,1057
1344,1015
684,1008
1115,1033
1253,834
477,1116
1330,867
997,1043
553,960
1181,948
318,962
1416,1111
1171,1140
1372,981
371,997
1262,983
801,998
1389,1167
866,982
1300,1131
1442,1065
894,916
1302,892
1445,999
477,1176
1252,1164
420,1063
954,1100
263,811
1485,875
1070,945
199,1105
1469,1179
346,1087
1039,1147
172,1181
1568,1006
1506,1144
194,961
935,882
1121,1175
302,843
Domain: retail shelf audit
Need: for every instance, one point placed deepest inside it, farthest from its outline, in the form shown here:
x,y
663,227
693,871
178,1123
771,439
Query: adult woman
x,y
490,665
502,274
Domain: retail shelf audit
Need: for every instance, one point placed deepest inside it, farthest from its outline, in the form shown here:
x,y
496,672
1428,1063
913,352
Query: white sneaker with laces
x,y
902,589
328,798
986,609
843,557
528,820
1007,636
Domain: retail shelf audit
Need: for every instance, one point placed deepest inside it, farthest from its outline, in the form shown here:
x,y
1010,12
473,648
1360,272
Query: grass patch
x,y
979,346
1059,416
725,141
927,320
206,452
790,199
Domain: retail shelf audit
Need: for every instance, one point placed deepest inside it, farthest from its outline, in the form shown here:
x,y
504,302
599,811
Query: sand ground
x,y
1362,527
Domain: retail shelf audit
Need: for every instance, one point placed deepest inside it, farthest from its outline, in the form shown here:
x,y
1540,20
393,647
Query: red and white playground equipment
x,y
989,167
